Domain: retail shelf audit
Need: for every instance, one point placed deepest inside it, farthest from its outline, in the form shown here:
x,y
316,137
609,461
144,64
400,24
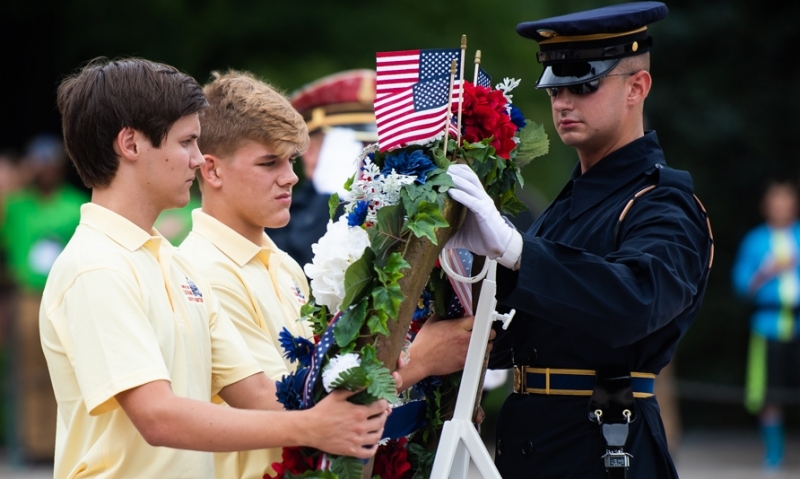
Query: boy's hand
x,y
346,429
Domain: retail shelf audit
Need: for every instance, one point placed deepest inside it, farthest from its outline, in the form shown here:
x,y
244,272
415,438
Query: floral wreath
x,y
397,213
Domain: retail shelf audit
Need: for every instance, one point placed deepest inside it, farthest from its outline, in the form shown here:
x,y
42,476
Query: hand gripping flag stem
x,y
460,440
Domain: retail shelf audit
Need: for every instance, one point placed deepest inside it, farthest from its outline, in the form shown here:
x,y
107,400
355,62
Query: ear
x,y
211,172
640,84
126,144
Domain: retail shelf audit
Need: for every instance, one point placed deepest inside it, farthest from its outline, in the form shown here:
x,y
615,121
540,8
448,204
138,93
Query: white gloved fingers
x,y
467,186
466,199
464,172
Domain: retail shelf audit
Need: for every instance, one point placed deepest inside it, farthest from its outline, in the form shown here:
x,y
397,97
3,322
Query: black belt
x,y
572,382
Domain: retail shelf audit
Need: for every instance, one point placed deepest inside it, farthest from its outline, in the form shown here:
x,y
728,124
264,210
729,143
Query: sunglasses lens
x,y
579,89
584,88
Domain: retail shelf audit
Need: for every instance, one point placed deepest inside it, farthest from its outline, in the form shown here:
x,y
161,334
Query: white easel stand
x,y
460,440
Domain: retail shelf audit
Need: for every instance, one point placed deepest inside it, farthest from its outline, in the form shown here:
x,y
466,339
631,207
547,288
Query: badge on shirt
x,y
191,291
298,293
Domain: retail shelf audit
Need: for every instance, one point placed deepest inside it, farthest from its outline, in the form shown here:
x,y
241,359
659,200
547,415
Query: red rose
x,y
484,115
294,462
391,461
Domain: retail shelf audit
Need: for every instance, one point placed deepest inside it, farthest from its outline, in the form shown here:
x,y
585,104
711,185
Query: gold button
x,y
635,46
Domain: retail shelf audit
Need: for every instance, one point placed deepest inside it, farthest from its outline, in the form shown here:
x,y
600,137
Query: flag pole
x,y
477,66
449,103
461,88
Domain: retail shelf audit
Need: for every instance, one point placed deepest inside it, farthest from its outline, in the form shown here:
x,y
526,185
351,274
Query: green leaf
x,y
381,384
413,195
333,203
428,218
439,157
440,178
378,323
421,460
347,467
511,205
357,278
348,325
388,299
533,143
353,379
390,273
349,183
386,234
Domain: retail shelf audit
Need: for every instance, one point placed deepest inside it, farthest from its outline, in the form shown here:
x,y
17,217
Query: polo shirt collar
x,y
115,226
613,172
233,245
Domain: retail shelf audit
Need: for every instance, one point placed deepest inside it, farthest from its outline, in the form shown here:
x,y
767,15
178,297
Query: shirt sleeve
x,y
112,344
624,296
747,263
238,320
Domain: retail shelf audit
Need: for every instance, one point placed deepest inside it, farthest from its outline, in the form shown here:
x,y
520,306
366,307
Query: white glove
x,y
484,231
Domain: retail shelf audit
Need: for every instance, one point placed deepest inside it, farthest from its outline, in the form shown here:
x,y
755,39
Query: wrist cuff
x,y
513,253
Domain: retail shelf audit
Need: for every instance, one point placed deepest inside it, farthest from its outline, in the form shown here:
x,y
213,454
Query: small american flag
x,y
483,78
414,115
460,261
399,70
320,350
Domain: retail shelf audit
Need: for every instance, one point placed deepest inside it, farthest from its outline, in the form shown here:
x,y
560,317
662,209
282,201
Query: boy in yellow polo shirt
x,y
251,137
135,340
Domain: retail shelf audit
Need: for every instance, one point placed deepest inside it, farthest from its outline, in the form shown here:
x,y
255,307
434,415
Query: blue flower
x,y
359,214
290,389
415,163
423,309
517,118
296,348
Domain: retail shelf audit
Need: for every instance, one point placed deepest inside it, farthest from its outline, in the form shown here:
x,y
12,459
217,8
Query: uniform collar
x,y
117,227
232,244
613,172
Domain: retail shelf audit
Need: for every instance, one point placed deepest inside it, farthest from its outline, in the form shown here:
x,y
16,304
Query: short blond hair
x,y
242,107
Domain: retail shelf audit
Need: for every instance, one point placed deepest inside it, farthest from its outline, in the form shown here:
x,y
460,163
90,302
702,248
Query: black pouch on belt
x,y
613,408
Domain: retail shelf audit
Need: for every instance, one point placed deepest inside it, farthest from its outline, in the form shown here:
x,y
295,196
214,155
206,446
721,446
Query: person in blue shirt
x,y
608,278
767,273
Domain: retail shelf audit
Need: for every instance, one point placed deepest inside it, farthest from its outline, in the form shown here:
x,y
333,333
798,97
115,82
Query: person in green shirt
x,y
35,224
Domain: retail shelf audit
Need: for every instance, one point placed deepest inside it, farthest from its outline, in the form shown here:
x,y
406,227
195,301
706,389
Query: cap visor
x,y
565,74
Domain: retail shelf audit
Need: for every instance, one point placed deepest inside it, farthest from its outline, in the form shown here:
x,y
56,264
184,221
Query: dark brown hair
x,y
106,96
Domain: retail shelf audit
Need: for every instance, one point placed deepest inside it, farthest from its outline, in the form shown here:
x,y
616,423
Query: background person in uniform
x,y
339,113
35,224
767,273
136,342
601,304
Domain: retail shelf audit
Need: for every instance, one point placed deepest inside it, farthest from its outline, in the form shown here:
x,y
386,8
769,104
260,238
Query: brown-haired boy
x,y
135,339
251,138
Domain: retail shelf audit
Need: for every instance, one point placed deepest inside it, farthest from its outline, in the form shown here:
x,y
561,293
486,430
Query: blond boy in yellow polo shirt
x,y
135,340
251,137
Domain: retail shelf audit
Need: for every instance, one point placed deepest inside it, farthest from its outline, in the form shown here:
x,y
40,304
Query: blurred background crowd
x,y
723,104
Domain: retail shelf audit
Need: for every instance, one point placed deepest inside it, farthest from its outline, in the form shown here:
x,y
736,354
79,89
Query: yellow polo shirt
x,y
261,288
120,310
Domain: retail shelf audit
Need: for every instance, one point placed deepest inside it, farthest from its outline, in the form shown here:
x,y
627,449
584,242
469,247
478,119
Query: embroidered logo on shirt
x,y
192,292
298,293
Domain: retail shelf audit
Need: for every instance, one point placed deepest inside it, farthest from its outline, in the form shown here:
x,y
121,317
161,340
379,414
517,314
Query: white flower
x,y
378,190
340,247
506,87
337,366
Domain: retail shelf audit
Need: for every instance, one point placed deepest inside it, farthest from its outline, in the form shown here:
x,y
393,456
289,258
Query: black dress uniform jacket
x,y
592,294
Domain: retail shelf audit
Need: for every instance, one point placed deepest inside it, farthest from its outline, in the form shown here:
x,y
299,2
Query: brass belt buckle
x,y
520,386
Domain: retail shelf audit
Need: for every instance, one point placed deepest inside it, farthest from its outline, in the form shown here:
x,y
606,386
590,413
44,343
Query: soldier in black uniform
x,y
609,277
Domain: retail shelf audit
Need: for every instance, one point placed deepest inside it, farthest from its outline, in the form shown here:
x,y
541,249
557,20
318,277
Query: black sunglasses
x,y
585,88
